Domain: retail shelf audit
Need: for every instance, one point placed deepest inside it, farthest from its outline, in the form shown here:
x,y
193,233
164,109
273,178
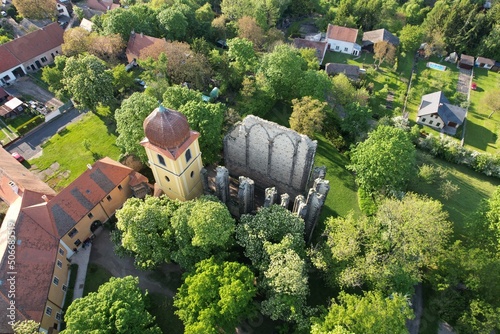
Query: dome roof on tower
x,y
166,128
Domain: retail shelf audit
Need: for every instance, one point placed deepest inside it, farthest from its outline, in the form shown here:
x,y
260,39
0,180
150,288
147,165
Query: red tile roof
x,y
37,42
138,42
13,171
320,47
342,33
36,249
8,59
83,194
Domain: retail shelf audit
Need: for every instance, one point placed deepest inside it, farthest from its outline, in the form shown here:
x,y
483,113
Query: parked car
x,y
18,157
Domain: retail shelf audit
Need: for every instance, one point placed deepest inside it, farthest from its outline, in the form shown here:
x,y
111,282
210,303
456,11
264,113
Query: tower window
x,y
192,174
166,178
161,160
188,155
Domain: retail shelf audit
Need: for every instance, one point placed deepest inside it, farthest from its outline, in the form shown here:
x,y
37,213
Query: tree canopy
x,y
214,296
129,119
119,306
371,313
385,161
390,251
307,116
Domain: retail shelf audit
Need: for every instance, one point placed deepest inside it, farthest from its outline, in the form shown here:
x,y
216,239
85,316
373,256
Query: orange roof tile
x,y
13,171
138,42
342,33
34,44
83,194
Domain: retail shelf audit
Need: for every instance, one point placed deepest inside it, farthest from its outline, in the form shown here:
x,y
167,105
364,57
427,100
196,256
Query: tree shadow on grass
x,y
478,136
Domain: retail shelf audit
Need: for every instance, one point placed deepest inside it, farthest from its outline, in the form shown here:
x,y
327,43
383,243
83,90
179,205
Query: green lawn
x,y
428,81
481,131
66,148
473,188
96,276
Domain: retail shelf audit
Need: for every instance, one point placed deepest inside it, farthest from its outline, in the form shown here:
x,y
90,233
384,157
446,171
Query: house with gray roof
x,y
437,112
351,71
375,36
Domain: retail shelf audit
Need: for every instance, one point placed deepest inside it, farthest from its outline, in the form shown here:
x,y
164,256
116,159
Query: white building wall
x,y
344,47
49,56
431,120
10,74
62,10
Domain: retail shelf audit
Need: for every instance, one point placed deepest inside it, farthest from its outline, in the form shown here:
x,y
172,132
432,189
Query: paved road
x,y
29,145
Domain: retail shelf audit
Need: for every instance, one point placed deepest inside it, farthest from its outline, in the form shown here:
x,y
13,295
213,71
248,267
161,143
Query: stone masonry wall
x,y
270,154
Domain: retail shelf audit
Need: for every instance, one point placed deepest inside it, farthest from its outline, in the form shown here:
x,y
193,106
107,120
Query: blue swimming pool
x,y
435,66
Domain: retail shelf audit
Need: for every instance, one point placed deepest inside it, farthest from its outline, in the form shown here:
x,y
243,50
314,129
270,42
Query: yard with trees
x,y
398,217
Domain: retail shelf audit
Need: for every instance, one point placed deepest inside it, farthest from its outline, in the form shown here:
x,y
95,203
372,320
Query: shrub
x,y
366,203
30,125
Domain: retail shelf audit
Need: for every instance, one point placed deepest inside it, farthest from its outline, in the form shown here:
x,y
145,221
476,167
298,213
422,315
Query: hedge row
x,y
30,125
450,150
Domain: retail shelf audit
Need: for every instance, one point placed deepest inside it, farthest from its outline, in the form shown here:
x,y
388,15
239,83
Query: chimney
x,y
89,166
14,187
45,198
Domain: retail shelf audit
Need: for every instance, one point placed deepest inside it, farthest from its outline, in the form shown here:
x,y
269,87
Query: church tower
x,y
173,153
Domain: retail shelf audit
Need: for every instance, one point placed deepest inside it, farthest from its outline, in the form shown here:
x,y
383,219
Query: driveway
x,y
103,254
464,81
29,146
25,86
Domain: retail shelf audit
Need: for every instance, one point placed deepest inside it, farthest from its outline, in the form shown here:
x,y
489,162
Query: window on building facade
x,y
59,263
72,233
58,316
188,155
48,310
346,49
161,160
64,287
77,242
55,281
120,187
108,198
61,251
44,59
430,122
90,215
438,124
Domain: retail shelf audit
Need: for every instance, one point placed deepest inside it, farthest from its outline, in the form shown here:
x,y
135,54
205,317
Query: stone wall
x,y
270,154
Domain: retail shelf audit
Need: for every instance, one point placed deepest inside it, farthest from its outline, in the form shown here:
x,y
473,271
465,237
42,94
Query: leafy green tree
x,y
384,52
236,9
250,30
202,228
285,283
26,327
307,116
215,296
269,225
466,289
122,80
88,81
173,23
241,54
36,9
145,229
129,119
176,96
343,90
389,252
282,71
207,119
411,37
385,161
355,122
371,313
119,306
490,45
53,76
315,84
139,18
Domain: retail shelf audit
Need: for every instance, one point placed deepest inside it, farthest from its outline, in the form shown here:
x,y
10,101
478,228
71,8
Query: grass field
x,y
482,132
66,148
96,276
473,188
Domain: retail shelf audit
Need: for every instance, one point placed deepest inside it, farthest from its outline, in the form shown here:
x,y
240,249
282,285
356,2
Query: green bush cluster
x,y
30,125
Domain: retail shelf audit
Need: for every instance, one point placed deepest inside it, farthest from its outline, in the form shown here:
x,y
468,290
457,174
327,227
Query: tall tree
x,y
26,327
307,116
385,161
144,228
250,30
391,251
215,296
36,9
371,313
492,101
53,76
88,81
207,119
129,118
411,37
355,122
384,52
119,306
173,23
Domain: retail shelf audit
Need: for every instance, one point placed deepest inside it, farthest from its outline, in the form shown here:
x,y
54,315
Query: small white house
x,y
342,39
484,62
437,112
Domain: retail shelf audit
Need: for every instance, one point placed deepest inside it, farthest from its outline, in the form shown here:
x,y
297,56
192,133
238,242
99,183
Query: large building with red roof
x,y
30,52
43,229
342,39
